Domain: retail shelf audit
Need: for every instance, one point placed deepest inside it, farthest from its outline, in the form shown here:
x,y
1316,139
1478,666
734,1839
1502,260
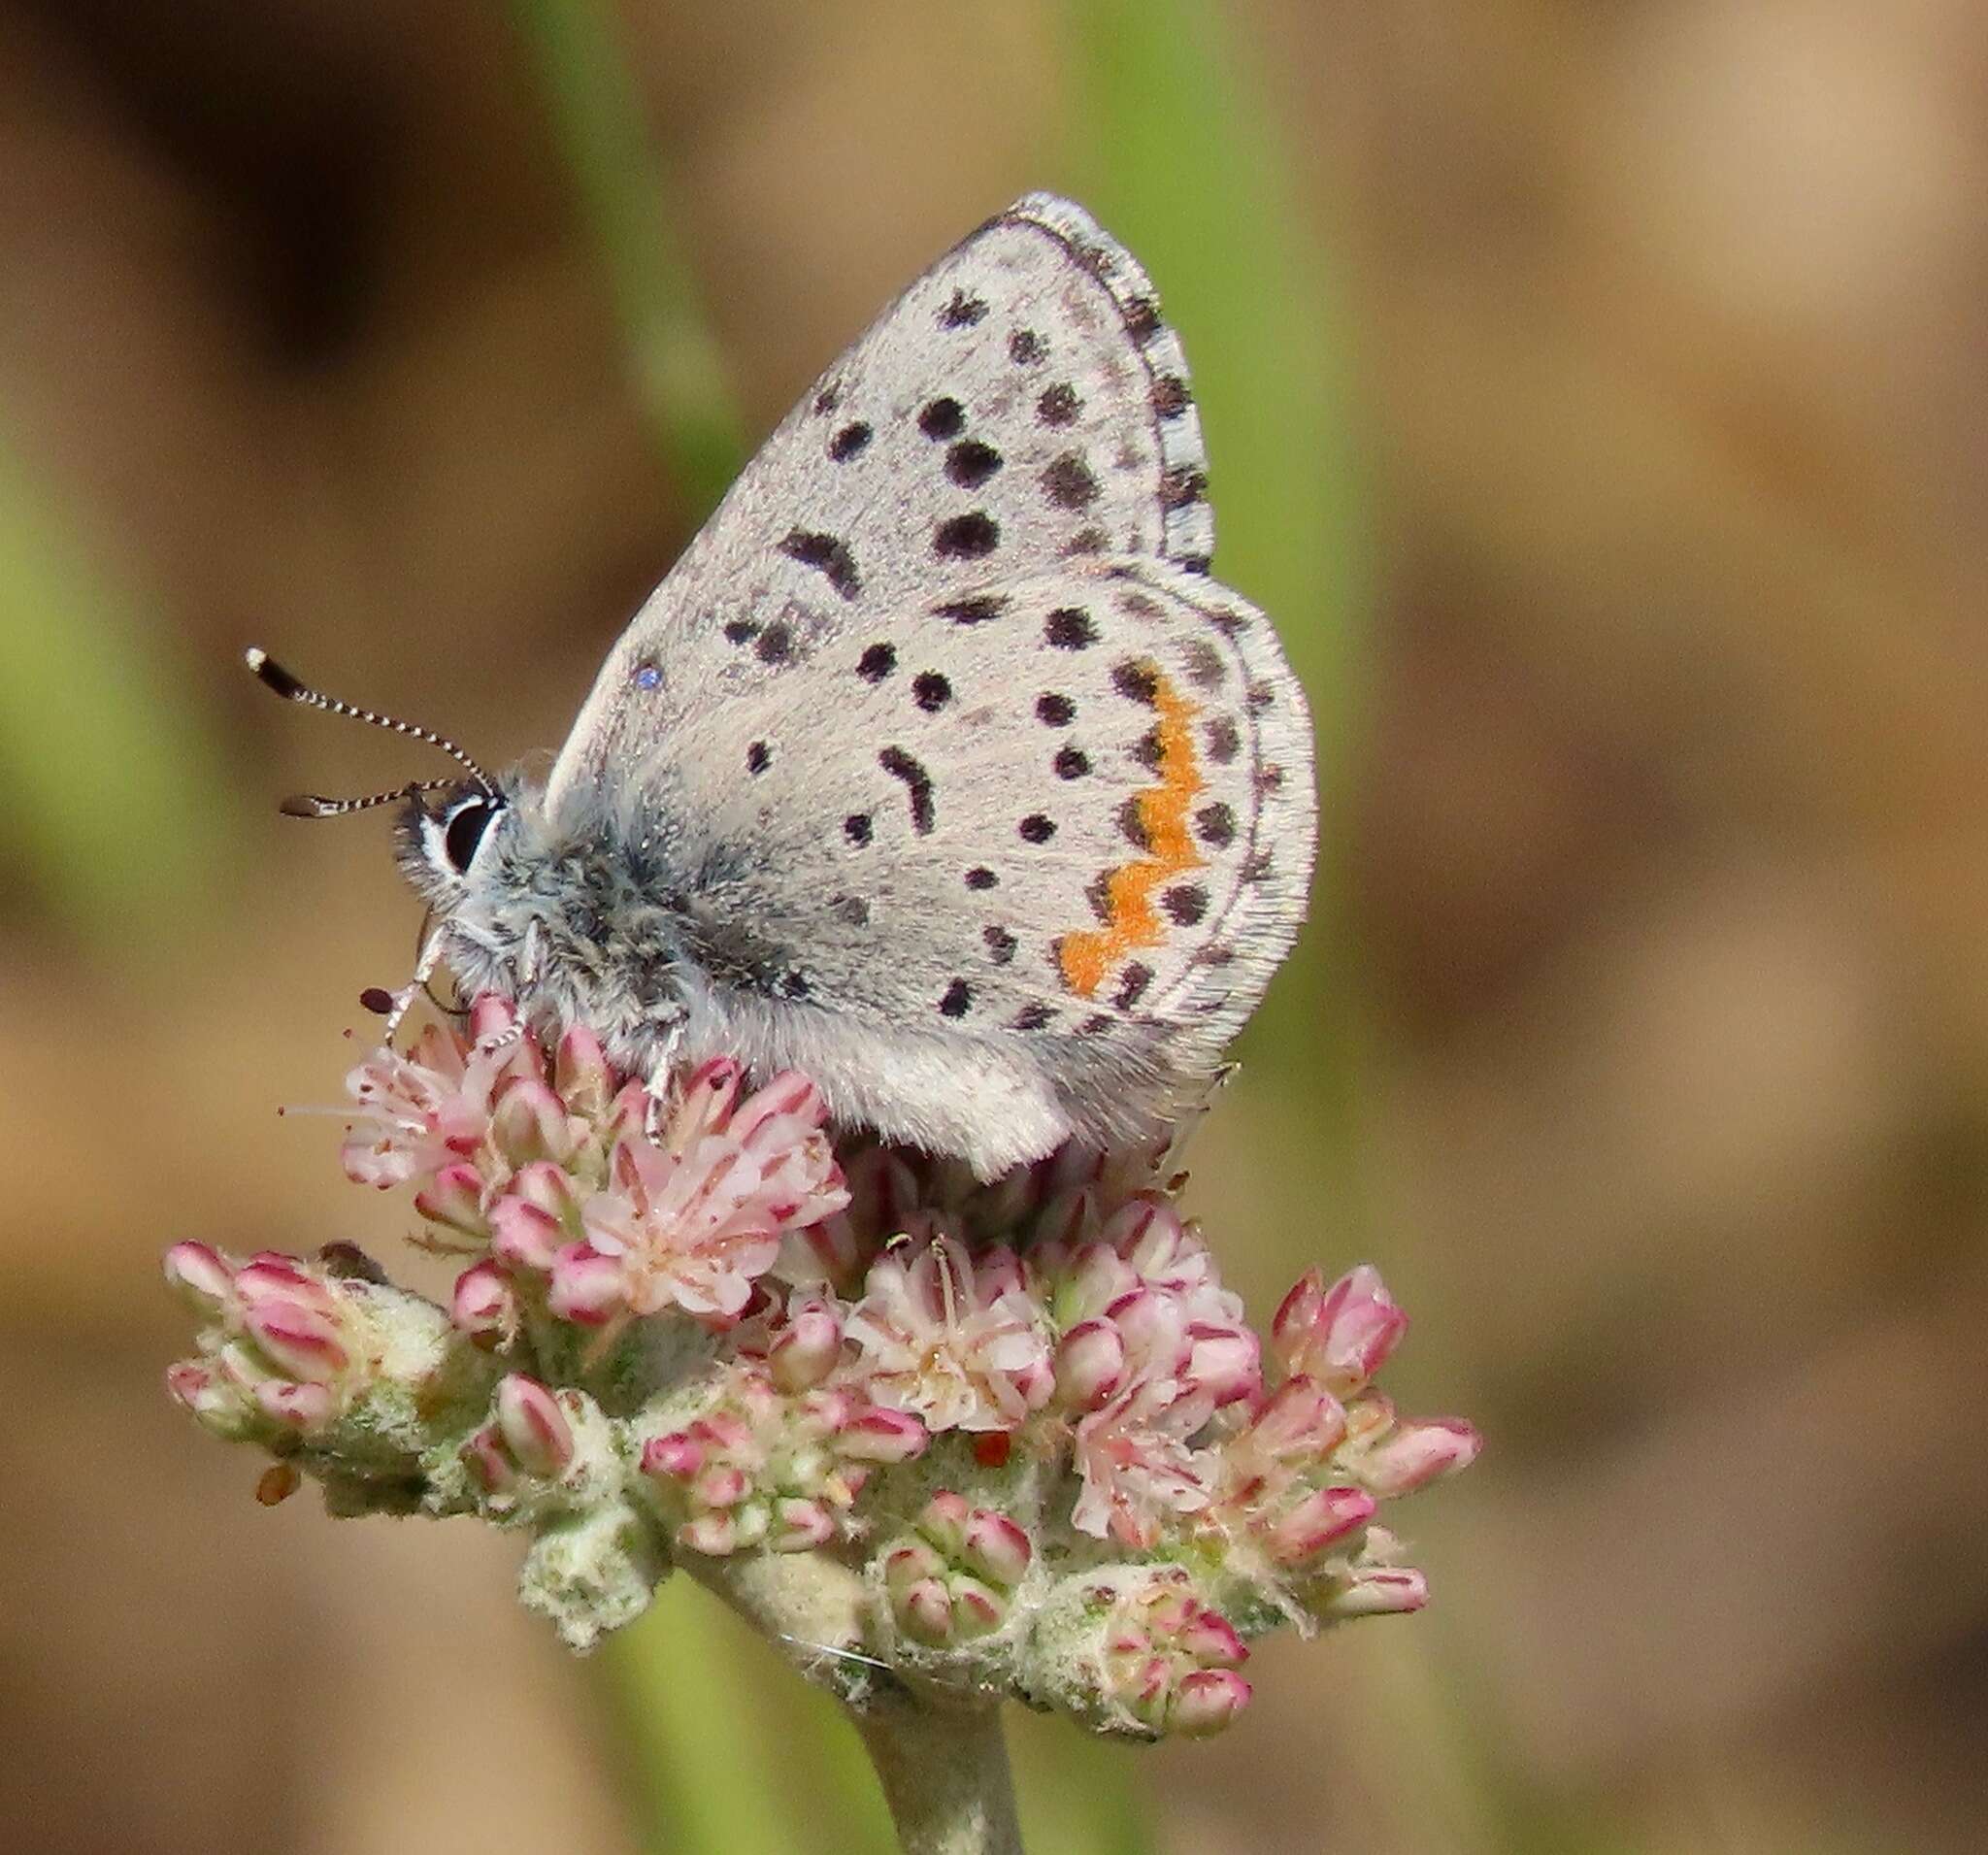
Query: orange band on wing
x,y
1130,919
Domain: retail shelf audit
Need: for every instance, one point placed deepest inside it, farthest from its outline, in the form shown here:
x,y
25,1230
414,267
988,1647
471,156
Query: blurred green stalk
x,y
1180,157
114,802
597,120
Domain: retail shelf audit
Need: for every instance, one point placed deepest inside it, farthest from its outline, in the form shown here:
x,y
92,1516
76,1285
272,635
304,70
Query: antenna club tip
x,y
303,804
270,672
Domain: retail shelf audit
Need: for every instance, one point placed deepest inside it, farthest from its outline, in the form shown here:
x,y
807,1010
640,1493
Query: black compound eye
x,y
464,831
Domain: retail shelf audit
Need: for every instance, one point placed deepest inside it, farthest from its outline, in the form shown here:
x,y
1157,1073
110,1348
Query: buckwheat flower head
x,y
935,1436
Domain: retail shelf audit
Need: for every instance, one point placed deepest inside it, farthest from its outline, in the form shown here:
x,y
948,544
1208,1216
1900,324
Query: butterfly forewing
x,y
1020,405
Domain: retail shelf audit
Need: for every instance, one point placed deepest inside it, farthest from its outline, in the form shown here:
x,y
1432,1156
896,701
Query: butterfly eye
x,y
464,832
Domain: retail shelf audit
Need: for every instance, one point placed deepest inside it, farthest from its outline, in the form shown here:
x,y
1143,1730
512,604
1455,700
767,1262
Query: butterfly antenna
x,y
309,805
275,676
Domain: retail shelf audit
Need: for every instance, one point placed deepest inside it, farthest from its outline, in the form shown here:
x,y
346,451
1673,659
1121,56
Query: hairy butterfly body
x,y
939,767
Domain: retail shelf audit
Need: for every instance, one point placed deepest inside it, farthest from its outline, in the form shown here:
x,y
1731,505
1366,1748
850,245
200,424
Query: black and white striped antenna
x,y
304,804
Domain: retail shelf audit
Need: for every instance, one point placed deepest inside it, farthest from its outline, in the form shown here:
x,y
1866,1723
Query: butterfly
x,y
939,767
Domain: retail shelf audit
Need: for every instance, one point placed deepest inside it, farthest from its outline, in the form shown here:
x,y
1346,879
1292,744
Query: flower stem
x,y
944,1775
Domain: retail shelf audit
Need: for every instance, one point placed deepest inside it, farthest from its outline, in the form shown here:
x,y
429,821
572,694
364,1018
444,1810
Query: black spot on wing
x,y
964,310
1070,483
1059,404
976,609
899,765
1070,628
967,537
827,553
970,463
943,419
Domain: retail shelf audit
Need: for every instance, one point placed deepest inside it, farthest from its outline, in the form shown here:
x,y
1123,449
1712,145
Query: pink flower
x,y
1339,1336
952,1339
416,1113
1138,1467
692,1221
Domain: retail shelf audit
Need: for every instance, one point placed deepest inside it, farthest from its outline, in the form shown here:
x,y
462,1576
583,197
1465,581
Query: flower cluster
x,y
1015,1436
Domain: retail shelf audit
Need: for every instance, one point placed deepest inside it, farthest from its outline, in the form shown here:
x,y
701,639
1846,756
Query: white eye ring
x,y
452,839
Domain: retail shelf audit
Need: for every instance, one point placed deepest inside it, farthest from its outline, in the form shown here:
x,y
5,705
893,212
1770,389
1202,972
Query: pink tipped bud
x,y
714,1534
297,1340
995,1548
675,1456
550,1189
800,1526
267,1277
1341,1335
216,1406
586,1286
944,1522
1376,1591
883,1436
581,1073
528,1121
1323,1518
977,1609
1226,1362
909,1563
1206,1703
1090,1363
534,1428
925,1612
454,1198
485,1304
1413,1455
1211,1639
804,1350
201,1277
523,1237
721,1485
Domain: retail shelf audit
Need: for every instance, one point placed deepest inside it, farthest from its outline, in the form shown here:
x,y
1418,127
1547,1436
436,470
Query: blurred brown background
x,y
1641,1043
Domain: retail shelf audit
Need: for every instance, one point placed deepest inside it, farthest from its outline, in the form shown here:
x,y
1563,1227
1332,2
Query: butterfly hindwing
x,y
1080,827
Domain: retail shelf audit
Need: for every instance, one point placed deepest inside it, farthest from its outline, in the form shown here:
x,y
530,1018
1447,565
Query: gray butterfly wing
x,y
981,802
1020,405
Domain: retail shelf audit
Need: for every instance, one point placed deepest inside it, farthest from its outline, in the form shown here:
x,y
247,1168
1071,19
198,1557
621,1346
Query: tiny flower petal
x,y
201,1277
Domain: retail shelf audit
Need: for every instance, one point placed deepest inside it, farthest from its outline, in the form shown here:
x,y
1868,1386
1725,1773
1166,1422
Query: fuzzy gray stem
x,y
943,1765
944,1775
